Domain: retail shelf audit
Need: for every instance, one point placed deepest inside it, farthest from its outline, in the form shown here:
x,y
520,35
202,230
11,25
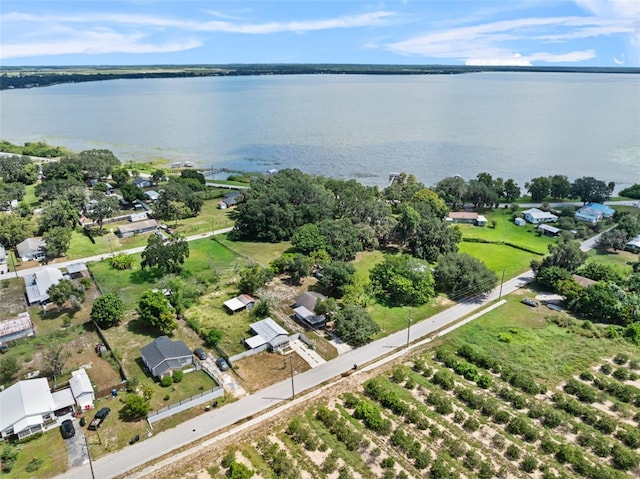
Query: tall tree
x,y
590,190
59,213
354,325
55,358
107,310
167,255
67,290
154,308
18,169
538,188
560,187
14,229
401,280
157,176
102,207
462,275
335,276
566,254
120,176
252,278
511,190
452,190
96,164
434,237
57,241
307,239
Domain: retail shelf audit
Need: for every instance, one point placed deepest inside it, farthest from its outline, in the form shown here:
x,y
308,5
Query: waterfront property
x,y
468,217
229,200
537,216
142,182
164,356
594,212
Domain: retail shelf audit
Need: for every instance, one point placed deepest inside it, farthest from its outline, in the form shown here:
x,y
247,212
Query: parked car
x,y
99,418
67,429
222,364
200,353
3,348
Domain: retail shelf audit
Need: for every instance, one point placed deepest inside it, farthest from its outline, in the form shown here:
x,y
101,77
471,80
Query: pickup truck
x,y
99,418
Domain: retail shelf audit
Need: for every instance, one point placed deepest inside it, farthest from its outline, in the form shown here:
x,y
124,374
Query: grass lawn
x,y
12,300
49,449
536,345
30,197
499,258
507,231
81,246
621,259
210,218
261,253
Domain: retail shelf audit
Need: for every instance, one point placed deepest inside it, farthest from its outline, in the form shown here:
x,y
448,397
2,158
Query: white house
x,y
3,260
82,389
27,407
38,283
536,216
269,333
30,249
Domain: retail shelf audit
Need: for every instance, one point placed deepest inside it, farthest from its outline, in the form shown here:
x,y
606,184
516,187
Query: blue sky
x,y
456,32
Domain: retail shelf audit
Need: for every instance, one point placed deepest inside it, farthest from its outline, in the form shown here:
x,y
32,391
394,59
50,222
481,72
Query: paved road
x,y
130,457
99,257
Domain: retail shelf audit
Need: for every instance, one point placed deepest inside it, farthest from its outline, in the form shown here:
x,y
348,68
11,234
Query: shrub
x,y
471,424
606,369
586,376
166,381
621,358
529,464
498,441
623,458
512,452
621,374
177,376
33,465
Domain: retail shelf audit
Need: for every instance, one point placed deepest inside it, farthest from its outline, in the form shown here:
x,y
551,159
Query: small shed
x,y
82,389
549,230
77,270
152,195
19,327
520,221
242,301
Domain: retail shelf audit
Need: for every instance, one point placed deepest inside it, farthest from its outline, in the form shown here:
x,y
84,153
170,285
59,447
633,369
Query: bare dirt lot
x,y
12,300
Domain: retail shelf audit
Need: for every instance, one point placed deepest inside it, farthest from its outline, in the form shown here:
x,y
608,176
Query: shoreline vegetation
x,y
40,76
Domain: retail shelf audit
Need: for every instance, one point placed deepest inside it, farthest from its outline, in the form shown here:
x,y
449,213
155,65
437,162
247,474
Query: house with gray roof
x,y
37,284
31,249
268,333
304,307
633,244
4,268
164,356
137,227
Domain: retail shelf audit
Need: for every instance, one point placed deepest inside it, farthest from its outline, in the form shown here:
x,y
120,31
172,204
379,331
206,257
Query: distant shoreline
x,y
41,76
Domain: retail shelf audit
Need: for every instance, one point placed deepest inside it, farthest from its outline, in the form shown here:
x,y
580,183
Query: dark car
x,y
200,353
222,364
67,429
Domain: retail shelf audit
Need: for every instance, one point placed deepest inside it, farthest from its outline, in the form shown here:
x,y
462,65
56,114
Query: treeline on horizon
x,y
29,77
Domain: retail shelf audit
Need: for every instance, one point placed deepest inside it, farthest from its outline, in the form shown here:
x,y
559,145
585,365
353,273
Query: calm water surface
x,y
513,125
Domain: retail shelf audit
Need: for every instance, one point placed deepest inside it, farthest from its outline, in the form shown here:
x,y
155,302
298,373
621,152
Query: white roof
x,y
234,304
80,383
255,341
537,213
25,398
44,278
62,398
268,329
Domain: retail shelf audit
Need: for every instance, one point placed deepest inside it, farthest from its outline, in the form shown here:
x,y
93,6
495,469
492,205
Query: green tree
x,y
452,190
429,204
59,213
307,239
213,337
103,207
66,290
131,193
9,367
154,308
18,169
434,237
538,188
565,254
481,194
589,190
96,164
335,276
135,407
120,176
107,310
167,255
157,176
57,241
402,280
182,293
342,238
559,187
297,266
511,190
252,278
14,229
354,325
615,239
462,275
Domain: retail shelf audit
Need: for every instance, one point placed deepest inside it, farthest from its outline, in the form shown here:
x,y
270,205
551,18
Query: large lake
x,y
513,125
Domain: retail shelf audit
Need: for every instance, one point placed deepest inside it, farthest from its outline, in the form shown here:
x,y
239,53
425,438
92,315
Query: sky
x,y
445,32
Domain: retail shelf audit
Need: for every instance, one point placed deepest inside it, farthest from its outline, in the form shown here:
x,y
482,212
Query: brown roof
x,y
463,215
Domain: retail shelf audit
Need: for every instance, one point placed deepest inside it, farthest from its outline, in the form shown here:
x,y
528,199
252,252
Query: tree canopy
x,y
462,275
66,290
154,308
354,325
107,310
402,280
167,255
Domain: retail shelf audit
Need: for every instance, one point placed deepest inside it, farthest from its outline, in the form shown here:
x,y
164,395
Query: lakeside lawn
x,y
621,260
521,336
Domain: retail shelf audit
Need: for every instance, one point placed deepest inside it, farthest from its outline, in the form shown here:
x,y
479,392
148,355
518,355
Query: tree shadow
x,y
138,326
147,275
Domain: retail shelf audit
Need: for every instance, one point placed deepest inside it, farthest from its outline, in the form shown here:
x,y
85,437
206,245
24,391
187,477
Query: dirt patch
x,y
261,370
12,300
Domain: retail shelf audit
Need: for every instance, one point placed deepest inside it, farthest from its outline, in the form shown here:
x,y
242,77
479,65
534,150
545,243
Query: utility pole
x,y
408,329
501,283
293,392
86,444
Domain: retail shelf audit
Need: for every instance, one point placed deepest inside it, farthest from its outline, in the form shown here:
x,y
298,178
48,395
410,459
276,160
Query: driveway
x,y
77,447
226,379
306,353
